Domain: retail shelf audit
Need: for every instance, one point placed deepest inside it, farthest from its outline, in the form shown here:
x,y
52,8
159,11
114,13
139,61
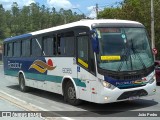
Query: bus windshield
x,y
124,49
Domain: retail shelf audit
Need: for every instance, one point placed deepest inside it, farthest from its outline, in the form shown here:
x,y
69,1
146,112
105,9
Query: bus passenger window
x,y
36,47
66,44
26,48
9,50
16,49
5,49
49,45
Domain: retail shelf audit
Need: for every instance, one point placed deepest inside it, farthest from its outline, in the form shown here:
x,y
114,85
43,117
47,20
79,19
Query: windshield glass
x,y
124,49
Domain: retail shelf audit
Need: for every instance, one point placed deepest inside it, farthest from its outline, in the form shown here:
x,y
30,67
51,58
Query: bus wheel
x,y
70,94
22,85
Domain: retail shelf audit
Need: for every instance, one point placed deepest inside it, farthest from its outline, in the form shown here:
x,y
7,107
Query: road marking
x,y
27,106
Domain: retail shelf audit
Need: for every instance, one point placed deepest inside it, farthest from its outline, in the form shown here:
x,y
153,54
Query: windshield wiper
x,y
137,53
125,54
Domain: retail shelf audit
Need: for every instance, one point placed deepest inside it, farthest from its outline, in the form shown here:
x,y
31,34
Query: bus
x,y
100,61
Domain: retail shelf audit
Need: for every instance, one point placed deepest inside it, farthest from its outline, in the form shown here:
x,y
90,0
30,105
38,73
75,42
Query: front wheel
x,y
70,94
22,85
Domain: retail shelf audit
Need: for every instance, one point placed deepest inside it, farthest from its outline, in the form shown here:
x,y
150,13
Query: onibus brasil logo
x,y
41,66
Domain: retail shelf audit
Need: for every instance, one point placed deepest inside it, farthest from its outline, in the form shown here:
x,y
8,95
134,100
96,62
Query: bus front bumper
x,y
107,95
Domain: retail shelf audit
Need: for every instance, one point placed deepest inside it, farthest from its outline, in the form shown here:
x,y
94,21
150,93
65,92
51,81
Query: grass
x,y
1,62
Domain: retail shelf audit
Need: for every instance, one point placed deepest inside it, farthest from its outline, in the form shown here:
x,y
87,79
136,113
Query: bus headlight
x,y
107,84
153,78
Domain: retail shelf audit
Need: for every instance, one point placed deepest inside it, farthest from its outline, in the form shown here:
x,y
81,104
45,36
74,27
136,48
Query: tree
x,y
15,19
136,10
2,22
31,18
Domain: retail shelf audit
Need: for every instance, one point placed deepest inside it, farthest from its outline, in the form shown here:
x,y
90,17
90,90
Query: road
x,y
8,106
46,101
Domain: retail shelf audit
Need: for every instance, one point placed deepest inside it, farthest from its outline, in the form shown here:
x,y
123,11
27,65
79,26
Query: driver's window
x,y
83,50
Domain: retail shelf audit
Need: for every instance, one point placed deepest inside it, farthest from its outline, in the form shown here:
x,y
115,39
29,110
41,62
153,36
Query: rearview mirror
x,y
95,42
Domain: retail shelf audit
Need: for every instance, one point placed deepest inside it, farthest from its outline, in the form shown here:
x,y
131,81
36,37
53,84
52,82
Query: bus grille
x,y
134,93
132,86
132,77
126,77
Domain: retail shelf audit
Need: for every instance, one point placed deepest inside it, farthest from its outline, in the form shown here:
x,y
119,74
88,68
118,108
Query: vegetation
x,y
136,10
31,18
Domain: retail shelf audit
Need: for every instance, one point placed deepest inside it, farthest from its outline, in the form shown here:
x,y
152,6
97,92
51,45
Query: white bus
x,y
100,61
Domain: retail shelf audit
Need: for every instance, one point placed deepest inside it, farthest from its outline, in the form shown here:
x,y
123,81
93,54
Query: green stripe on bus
x,y
41,77
11,73
79,82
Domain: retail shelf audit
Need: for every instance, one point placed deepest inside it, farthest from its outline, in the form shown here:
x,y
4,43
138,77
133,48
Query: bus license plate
x,y
133,98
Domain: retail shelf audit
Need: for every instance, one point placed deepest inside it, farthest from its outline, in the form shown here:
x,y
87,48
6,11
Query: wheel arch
x,y
65,80
21,72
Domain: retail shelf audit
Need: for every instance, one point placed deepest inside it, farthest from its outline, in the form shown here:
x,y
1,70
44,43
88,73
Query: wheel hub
x,y
71,93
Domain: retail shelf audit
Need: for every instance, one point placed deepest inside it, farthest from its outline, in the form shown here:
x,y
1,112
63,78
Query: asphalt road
x,y
6,106
47,101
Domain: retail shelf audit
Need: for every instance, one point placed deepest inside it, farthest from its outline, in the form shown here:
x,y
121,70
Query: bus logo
x,y
41,66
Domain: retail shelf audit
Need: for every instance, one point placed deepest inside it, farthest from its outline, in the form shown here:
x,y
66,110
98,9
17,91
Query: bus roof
x,y
84,22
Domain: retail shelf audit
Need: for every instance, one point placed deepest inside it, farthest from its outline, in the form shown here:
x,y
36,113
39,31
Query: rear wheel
x,y
22,85
70,94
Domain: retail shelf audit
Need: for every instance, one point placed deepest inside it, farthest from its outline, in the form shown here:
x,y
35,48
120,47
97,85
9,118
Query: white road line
x,y
40,108
13,97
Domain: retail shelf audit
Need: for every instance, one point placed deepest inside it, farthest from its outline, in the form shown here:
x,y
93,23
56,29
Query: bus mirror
x,y
92,32
95,42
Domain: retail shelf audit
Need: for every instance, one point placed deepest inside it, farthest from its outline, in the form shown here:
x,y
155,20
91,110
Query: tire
x,y
22,85
70,94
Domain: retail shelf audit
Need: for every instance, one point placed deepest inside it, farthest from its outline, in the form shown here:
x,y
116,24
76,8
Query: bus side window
x,y
9,49
49,45
36,47
26,48
83,50
58,44
66,44
16,49
5,50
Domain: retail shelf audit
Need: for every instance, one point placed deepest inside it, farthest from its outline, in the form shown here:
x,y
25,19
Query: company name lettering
x,y
14,65
131,82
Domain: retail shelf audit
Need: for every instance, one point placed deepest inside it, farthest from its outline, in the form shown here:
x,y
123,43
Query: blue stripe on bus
x,y
17,37
41,77
122,84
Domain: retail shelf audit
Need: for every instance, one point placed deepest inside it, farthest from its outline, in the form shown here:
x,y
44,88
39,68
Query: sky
x,y
86,7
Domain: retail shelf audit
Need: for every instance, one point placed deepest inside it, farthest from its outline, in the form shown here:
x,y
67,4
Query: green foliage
x,y
31,18
137,10
2,22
